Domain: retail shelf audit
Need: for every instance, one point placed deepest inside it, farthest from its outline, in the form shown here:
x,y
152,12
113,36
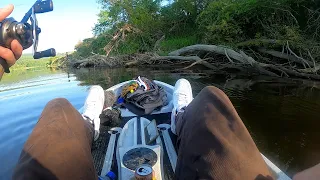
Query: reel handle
x,y
43,6
47,53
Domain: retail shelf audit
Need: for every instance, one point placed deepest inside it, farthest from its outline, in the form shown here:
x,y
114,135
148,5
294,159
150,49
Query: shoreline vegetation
x,y
26,62
244,37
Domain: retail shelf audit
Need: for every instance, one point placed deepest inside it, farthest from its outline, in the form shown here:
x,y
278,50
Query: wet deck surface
x,y
99,148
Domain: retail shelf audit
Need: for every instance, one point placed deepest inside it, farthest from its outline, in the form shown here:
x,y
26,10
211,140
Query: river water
x,y
282,117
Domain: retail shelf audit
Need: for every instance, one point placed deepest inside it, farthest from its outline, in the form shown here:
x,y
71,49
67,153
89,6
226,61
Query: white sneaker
x,y
93,107
182,96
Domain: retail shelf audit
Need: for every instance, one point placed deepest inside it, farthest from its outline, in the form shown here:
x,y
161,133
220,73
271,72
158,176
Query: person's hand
x,y
16,49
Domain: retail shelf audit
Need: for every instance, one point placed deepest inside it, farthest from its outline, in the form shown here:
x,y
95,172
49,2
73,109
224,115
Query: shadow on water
x,y
282,116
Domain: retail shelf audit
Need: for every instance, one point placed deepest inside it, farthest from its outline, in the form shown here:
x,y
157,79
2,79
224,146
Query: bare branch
x,y
225,51
197,62
283,56
303,60
208,48
180,58
314,62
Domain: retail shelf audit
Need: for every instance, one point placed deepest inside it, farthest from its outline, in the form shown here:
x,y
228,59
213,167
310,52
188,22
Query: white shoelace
x,y
182,101
90,110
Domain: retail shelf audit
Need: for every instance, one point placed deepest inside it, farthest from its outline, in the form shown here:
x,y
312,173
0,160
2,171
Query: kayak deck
x,y
162,116
99,147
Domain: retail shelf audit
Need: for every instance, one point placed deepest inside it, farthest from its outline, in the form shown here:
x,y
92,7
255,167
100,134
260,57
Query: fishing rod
x,y
27,34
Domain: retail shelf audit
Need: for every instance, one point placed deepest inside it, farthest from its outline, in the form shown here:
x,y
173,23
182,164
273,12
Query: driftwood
x,y
204,63
180,58
98,60
217,59
207,48
242,58
284,56
132,63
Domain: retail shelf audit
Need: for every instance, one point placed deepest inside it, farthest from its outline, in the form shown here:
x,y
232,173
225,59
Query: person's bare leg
x,y
59,147
214,143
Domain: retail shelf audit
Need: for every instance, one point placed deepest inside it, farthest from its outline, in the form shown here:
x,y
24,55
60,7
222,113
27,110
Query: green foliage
x,y
129,47
143,14
85,48
149,21
186,22
177,43
92,45
230,22
53,62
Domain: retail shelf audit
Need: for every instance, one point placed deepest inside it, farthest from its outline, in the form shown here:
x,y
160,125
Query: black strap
x,y
139,140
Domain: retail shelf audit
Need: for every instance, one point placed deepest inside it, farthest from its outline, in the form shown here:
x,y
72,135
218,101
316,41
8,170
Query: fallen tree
x,y
218,59
242,60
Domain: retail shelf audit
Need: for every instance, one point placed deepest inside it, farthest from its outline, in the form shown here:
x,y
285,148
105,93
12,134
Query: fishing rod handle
x,y
4,65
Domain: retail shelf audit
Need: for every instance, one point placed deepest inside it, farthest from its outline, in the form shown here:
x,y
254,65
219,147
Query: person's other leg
x,y
214,143
93,107
59,146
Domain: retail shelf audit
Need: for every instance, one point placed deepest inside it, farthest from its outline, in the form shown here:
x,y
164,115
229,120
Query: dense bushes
x,y
236,23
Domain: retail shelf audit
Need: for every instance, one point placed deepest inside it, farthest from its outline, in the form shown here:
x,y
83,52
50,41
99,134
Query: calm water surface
x,y
283,118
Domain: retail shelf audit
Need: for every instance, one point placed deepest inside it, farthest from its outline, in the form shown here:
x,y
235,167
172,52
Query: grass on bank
x,y
27,62
172,44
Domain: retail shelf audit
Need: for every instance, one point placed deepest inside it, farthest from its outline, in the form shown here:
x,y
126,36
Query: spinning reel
x,y
26,33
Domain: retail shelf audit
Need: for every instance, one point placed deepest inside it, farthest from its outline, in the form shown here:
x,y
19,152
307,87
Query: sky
x,y
70,22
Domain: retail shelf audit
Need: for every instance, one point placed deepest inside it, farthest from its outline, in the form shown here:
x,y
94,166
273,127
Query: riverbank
x,y
277,39
211,59
26,62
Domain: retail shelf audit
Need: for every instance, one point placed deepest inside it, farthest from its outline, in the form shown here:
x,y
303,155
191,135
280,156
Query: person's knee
x,y
213,90
56,107
59,102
